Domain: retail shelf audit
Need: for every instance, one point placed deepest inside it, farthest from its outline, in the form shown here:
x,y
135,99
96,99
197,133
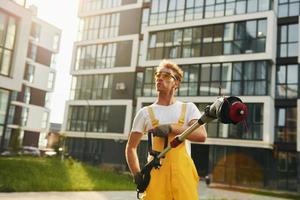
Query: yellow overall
x,y
177,178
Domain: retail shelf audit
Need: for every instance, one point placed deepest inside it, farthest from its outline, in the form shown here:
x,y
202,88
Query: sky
x,y
63,15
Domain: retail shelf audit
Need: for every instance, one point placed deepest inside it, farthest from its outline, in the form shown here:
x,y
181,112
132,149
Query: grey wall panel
x,y
128,80
116,119
130,22
123,54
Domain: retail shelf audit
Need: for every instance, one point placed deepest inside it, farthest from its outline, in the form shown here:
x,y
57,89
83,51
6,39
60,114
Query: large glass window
x,y
91,87
96,119
251,129
99,27
8,28
230,163
288,40
238,78
98,56
287,8
287,170
286,124
213,40
172,11
93,5
287,81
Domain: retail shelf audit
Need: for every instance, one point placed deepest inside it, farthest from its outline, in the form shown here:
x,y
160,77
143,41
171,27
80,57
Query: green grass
x,y
20,174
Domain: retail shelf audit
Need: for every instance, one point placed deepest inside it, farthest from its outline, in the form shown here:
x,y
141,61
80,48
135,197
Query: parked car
x,y
25,150
32,151
9,153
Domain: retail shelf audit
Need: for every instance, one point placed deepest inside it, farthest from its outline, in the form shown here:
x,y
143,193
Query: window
x,y
287,81
188,86
45,120
20,2
149,86
213,40
174,11
288,40
98,56
32,51
286,124
35,31
91,87
238,78
194,9
24,116
47,99
287,8
101,119
94,5
53,60
56,40
29,73
27,95
145,18
8,28
229,164
4,96
51,80
139,84
251,130
287,170
99,27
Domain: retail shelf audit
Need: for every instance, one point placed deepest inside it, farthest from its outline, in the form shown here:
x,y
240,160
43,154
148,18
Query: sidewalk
x,y
206,193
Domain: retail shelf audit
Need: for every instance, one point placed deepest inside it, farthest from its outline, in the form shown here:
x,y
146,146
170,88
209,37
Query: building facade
x,y
28,74
245,48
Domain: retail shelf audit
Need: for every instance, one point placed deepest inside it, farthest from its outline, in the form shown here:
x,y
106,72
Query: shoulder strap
x,y
154,121
182,115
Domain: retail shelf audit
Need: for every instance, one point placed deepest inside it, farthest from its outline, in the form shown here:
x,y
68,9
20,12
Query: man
x,y
177,178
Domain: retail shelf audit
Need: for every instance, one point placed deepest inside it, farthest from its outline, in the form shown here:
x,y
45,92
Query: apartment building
x,y
28,74
245,48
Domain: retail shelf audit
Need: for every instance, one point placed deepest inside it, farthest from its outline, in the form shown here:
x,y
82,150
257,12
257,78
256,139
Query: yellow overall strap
x,y
153,147
154,121
182,115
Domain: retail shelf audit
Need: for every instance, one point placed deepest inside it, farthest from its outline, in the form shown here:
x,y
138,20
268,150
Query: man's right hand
x,y
161,130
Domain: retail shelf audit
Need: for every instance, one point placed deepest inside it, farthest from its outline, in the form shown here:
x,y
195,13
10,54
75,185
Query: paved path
x,y
206,193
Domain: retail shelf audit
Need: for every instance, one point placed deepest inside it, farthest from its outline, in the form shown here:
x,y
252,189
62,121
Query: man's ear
x,y
177,83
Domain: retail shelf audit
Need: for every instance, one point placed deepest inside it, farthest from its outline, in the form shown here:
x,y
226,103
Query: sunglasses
x,y
164,75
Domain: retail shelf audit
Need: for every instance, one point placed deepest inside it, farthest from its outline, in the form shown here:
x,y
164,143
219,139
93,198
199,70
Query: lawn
x,y
21,174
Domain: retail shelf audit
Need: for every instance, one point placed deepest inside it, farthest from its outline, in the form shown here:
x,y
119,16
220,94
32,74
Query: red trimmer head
x,y
232,110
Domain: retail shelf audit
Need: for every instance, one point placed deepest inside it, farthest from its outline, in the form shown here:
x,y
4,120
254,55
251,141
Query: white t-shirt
x,y
165,114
